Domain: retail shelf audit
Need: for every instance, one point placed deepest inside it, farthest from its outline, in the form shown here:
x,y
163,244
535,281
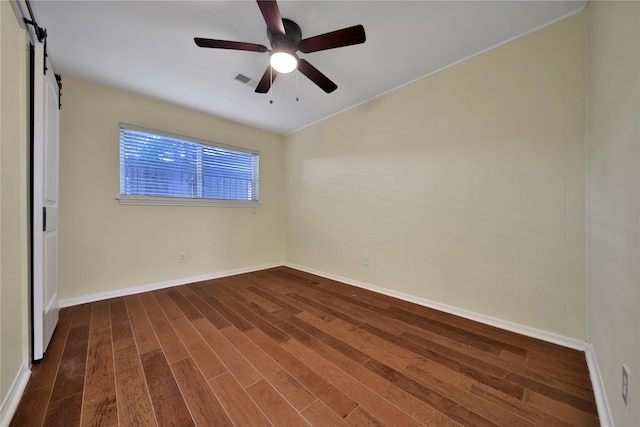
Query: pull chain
x,y
271,84
297,91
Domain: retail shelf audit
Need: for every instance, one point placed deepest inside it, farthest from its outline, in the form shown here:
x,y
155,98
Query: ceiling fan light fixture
x,y
283,61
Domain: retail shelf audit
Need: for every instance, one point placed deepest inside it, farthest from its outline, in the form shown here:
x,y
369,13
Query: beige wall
x,y
465,188
614,198
105,246
14,335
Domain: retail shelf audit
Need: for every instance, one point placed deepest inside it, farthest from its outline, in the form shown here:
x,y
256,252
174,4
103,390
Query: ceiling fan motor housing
x,y
288,41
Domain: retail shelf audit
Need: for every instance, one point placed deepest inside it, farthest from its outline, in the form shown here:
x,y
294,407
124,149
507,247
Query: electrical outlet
x,y
182,257
365,260
625,385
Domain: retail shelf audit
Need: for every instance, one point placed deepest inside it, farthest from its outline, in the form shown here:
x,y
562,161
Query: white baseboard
x,y
604,411
10,403
68,302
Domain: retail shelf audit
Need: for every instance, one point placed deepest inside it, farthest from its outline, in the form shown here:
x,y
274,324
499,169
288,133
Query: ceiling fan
x,y
286,39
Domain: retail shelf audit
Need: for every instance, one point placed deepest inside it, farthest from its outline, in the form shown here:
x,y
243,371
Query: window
x,y
163,169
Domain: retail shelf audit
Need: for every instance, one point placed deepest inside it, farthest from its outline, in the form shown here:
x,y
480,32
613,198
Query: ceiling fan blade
x,y
271,15
267,79
316,76
339,38
224,44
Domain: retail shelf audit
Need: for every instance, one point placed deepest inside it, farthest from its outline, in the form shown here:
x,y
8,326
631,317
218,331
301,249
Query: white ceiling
x,y
147,47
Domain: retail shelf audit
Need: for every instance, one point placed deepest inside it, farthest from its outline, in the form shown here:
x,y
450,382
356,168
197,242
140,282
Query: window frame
x,y
130,199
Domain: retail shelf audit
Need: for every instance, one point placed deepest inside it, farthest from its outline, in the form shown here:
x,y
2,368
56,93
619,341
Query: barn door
x,y
45,99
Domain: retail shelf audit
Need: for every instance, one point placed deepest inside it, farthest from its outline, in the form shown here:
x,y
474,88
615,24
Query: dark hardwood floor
x,y
282,347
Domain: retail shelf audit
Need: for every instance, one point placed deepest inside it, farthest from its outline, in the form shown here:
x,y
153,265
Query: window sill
x,y
179,201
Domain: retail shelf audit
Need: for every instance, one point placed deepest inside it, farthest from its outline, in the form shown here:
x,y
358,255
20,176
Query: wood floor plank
x,y
189,311
419,410
572,371
569,381
210,365
70,378
353,295
340,403
141,326
462,367
536,348
136,409
148,301
169,340
409,358
479,364
240,323
169,406
274,406
347,335
328,339
82,315
44,374
276,299
326,309
361,418
207,311
459,334
120,324
318,414
553,393
561,410
241,408
518,406
236,363
64,412
248,314
322,315
462,396
265,300
171,310
283,325
285,347
441,402
203,404
307,333
31,410
358,312
99,406
351,387
32,407
286,384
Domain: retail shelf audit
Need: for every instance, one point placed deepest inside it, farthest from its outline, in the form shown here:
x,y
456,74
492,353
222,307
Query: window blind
x,y
155,164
